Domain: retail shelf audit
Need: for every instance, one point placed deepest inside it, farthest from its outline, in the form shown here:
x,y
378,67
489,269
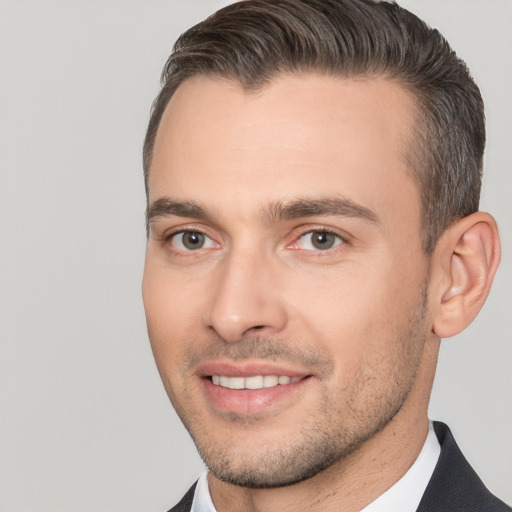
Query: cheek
x,y
356,314
170,324
170,317
344,302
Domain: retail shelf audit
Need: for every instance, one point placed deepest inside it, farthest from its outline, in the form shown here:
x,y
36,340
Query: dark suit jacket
x,y
454,486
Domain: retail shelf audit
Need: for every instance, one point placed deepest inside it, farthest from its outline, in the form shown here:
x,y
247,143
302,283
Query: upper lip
x,y
247,369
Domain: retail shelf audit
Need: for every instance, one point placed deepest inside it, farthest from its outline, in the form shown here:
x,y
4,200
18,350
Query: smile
x,y
253,382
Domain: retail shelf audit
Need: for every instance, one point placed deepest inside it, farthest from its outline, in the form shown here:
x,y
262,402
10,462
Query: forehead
x,y
300,135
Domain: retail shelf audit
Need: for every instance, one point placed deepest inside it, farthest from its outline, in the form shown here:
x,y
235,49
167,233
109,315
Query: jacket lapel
x,y
454,485
186,502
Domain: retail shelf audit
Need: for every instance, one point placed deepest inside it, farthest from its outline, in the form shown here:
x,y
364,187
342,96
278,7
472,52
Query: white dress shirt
x,y
404,496
202,499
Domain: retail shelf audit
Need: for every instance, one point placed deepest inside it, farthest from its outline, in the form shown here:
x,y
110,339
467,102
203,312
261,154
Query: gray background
x,y
85,424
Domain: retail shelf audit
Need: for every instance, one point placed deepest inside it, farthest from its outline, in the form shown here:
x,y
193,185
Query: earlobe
x,y
468,254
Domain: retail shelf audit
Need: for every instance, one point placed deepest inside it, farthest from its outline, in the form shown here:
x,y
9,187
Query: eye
x,y
191,241
318,241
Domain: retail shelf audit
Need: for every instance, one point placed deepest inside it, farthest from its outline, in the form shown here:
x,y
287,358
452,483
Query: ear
x,y
466,259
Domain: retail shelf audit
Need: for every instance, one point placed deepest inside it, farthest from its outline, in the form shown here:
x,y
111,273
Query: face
x,y
284,284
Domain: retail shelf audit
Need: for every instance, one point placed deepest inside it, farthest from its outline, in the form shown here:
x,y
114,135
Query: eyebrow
x,y
165,206
277,211
318,207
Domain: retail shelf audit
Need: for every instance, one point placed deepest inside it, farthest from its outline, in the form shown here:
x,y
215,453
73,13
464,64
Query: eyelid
x,y
169,232
178,230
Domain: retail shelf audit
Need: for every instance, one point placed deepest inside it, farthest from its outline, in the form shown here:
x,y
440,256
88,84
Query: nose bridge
x,y
244,297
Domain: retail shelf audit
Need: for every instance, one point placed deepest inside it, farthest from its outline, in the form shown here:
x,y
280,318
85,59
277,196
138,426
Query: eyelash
x,y
168,239
339,240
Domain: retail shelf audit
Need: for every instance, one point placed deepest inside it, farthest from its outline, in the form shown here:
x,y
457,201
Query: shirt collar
x,y
405,495
202,499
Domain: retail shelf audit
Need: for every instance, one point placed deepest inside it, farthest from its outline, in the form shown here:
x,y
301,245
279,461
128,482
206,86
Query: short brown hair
x,y
253,41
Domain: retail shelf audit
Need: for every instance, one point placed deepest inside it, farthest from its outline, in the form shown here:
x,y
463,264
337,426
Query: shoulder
x,y
186,502
454,484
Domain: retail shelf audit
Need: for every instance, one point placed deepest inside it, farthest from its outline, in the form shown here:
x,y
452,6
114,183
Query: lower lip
x,y
250,401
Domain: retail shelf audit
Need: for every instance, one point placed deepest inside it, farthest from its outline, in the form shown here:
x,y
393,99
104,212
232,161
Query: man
x,y
313,170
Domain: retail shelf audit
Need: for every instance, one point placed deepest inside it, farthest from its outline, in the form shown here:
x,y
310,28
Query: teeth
x,y
236,383
269,381
253,382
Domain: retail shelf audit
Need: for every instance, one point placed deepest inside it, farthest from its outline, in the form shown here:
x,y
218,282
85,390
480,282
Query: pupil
x,y
323,240
193,240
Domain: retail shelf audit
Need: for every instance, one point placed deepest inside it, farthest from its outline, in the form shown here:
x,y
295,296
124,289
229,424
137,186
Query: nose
x,y
246,297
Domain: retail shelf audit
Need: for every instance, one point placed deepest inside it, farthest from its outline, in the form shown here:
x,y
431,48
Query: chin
x,y
284,459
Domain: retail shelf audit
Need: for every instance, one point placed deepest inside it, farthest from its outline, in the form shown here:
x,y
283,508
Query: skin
x,y
355,320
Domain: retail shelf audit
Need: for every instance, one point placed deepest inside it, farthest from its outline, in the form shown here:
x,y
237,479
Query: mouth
x,y
251,388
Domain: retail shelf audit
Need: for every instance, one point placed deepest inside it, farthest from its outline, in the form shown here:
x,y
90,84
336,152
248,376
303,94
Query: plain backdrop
x,y
85,424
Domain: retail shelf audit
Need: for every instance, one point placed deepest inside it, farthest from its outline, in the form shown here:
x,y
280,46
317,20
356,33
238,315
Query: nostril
x,y
254,328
